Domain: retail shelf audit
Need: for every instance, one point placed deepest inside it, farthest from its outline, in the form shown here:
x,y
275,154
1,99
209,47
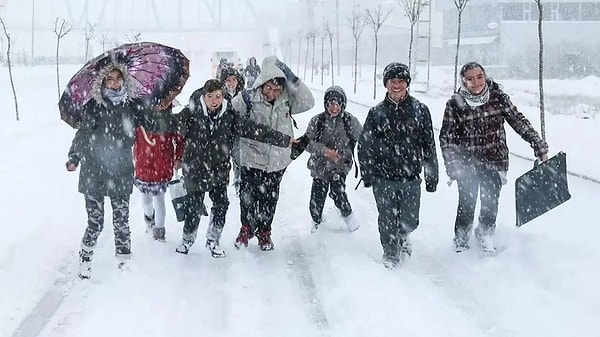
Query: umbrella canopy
x,y
153,73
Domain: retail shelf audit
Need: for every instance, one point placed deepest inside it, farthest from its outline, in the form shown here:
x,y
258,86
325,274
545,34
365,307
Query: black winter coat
x,y
397,141
209,142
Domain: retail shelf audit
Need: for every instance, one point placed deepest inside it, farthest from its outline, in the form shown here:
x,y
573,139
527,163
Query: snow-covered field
x,y
543,282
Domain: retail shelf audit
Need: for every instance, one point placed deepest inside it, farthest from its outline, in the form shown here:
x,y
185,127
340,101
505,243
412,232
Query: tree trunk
x,y
541,71
457,49
57,68
10,75
87,48
299,52
312,70
410,45
375,70
322,59
306,59
331,61
355,63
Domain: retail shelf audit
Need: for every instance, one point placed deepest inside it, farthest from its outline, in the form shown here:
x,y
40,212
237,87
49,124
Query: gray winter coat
x,y
294,99
333,135
103,145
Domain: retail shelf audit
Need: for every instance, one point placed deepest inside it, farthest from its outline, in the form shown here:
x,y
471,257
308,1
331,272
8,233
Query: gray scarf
x,y
115,96
475,100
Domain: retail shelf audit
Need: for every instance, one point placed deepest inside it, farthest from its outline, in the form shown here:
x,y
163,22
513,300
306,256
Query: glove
x,y
431,185
71,166
367,182
289,75
298,148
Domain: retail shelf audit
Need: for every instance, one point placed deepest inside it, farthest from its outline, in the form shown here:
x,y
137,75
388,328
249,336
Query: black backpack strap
x,y
347,119
246,97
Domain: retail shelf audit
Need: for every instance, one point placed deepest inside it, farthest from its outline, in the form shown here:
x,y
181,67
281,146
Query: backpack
x,y
346,119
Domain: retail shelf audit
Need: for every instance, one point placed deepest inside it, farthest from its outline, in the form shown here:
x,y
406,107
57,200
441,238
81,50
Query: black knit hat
x,y
396,70
335,93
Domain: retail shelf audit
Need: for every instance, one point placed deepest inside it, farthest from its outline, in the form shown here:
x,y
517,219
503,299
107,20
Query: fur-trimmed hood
x,y
128,83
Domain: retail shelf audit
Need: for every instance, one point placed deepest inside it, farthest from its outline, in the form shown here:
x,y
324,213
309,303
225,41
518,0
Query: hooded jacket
x,y
156,152
295,98
209,142
332,134
103,143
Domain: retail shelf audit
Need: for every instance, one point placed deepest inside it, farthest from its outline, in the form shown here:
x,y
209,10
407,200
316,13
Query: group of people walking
x,y
225,127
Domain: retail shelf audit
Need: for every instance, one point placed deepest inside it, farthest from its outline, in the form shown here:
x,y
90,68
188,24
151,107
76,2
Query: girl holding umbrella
x,y
106,101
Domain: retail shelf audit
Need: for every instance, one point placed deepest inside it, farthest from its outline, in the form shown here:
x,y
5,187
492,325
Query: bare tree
x,y
89,34
412,10
313,38
541,68
323,37
299,38
460,6
103,39
307,37
9,64
133,37
327,32
358,22
376,19
61,28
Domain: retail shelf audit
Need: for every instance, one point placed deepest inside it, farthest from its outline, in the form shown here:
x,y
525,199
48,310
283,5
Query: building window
x,y
512,11
568,11
553,11
590,11
527,11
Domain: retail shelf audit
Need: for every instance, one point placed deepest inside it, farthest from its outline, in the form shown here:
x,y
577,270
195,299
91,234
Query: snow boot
x,y
351,223
149,222
214,248
122,262
390,260
485,240
264,240
405,248
243,237
85,266
315,226
461,244
184,247
158,233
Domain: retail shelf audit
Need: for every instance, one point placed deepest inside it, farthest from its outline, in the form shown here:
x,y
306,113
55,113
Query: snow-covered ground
x,y
543,282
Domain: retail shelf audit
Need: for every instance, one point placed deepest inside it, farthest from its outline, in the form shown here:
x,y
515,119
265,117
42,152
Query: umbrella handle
x,y
150,142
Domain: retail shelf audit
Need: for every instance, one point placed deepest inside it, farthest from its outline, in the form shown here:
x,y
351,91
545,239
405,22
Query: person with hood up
x,y
333,135
473,144
277,94
209,126
396,144
103,146
251,72
157,153
233,83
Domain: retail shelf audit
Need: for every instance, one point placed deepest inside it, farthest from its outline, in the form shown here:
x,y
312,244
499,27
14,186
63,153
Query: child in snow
x,y
157,152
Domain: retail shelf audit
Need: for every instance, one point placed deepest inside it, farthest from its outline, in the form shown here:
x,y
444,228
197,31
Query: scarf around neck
x,y
475,100
116,96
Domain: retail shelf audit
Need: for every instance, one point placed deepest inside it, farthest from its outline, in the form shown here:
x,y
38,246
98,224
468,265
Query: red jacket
x,y
155,163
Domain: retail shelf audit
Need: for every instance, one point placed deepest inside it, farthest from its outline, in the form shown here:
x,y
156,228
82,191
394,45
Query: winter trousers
x,y
259,194
195,209
154,205
398,204
487,183
94,206
318,194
